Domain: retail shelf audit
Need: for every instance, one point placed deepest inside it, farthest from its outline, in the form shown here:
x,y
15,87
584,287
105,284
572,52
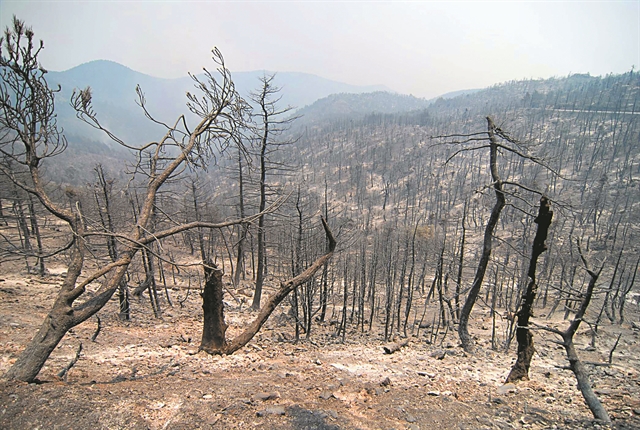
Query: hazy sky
x,y
425,48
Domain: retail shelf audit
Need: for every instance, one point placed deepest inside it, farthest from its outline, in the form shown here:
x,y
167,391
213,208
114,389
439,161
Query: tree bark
x,y
59,320
214,328
584,382
35,230
31,360
520,370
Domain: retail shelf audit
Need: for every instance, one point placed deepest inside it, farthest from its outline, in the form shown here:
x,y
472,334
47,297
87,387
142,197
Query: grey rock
x,y
326,395
272,410
263,397
439,354
507,388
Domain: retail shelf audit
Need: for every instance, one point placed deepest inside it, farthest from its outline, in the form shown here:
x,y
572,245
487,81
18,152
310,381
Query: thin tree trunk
x,y
35,230
463,327
576,366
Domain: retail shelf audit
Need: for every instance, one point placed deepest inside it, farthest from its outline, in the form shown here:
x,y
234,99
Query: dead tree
x,y
495,140
214,332
103,194
520,369
242,229
214,327
575,364
463,327
271,125
29,136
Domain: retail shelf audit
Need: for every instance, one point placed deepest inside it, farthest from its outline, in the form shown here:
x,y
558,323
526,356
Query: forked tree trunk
x,y
576,366
582,376
214,329
229,347
520,370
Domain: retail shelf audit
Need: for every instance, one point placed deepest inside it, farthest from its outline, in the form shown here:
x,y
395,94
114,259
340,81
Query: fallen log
x,y
390,349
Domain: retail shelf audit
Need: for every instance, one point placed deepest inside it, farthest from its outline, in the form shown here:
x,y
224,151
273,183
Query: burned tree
x,y
271,125
214,327
496,140
575,364
520,369
493,145
214,332
29,136
103,197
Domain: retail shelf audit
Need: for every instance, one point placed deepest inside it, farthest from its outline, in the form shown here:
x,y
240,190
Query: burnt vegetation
x,y
416,224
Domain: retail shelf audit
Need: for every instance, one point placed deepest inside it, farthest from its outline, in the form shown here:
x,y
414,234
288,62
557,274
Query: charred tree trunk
x,y
582,376
584,382
463,327
575,364
242,229
35,230
274,300
520,370
461,260
214,328
31,360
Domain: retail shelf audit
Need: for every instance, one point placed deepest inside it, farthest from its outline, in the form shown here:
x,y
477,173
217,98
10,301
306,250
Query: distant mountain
x,y
114,97
115,102
354,106
453,94
299,89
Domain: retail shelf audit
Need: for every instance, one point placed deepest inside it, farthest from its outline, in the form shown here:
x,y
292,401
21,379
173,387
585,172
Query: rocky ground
x,y
148,374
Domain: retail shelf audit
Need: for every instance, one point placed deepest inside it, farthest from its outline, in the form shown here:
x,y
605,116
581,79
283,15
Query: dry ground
x,y
148,374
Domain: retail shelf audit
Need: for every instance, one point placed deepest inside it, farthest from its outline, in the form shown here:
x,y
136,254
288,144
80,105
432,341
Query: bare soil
x,y
148,374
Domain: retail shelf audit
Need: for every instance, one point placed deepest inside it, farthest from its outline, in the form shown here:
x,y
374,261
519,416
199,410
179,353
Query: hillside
x,y
406,186
147,373
116,103
356,106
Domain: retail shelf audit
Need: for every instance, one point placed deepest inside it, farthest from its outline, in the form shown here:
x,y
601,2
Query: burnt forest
x,y
237,251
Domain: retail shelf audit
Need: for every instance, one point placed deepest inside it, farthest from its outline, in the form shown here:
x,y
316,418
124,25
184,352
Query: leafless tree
x,y
496,140
575,364
29,136
214,334
272,123
520,369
